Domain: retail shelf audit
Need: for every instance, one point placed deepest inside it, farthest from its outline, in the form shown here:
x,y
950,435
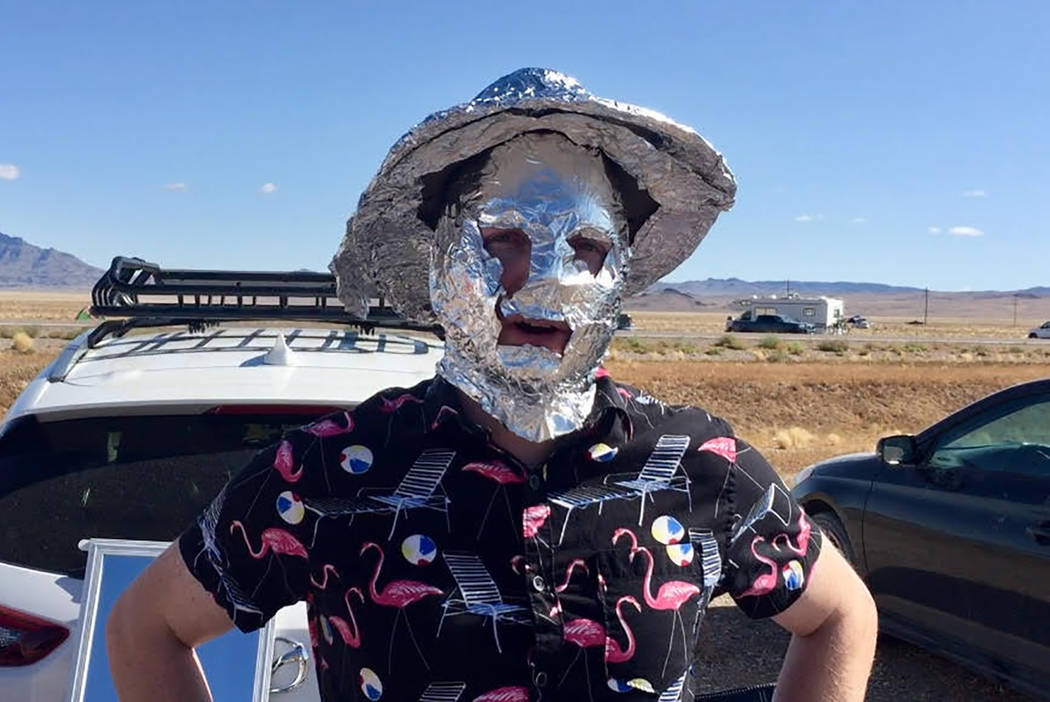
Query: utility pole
x,y
926,307
787,286
1015,309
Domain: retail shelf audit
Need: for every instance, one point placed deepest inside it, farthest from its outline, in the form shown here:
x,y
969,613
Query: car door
x,y
958,547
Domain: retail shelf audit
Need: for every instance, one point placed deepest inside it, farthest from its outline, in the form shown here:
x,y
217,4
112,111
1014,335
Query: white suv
x,y
129,435
1040,332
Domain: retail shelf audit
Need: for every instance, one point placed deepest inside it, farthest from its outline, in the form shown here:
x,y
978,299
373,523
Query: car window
x,y
117,477
1012,437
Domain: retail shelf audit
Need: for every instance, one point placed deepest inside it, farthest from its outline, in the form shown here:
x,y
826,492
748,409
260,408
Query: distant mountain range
x,y
718,294
23,265
735,287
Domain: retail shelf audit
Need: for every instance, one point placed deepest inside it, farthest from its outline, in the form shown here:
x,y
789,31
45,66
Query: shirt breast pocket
x,y
653,599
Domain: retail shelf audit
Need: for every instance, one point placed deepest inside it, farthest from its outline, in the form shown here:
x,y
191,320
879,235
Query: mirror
x,y
235,664
896,450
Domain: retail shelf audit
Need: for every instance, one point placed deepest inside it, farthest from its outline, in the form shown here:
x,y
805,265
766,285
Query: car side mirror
x,y
897,450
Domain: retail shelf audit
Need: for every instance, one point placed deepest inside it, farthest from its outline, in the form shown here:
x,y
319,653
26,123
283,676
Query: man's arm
x,y
153,628
834,626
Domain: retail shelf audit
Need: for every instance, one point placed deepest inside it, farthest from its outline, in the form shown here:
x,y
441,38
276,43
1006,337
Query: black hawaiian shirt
x,y
437,567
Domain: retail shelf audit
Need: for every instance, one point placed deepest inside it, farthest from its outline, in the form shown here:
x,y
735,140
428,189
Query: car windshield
x,y
138,477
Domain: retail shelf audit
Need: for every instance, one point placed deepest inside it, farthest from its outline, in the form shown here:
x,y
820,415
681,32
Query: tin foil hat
x,y
674,186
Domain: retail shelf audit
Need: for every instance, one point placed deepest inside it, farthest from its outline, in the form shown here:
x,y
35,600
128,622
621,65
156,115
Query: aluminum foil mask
x,y
559,196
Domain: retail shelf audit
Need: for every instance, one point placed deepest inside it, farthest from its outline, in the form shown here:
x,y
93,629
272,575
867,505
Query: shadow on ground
x,y
736,651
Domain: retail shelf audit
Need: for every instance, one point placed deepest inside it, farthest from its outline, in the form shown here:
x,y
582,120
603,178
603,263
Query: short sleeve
x,y
249,547
772,544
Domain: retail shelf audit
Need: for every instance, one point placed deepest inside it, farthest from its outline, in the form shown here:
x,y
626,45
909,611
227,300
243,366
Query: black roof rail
x,y
144,294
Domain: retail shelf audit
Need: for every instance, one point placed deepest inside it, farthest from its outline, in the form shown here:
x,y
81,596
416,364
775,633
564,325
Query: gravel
x,y
737,651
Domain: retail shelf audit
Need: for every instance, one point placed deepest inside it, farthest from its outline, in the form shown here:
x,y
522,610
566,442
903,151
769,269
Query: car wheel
x,y
1033,335
836,534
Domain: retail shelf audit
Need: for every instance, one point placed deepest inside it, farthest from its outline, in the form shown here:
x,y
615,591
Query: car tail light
x,y
25,639
312,410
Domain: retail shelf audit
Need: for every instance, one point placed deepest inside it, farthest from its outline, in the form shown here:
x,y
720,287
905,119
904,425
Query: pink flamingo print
x,y
348,632
613,652
804,531
445,411
584,633
629,534
277,540
765,582
328,427
533,519
624,393
284,462
325,570
504,694
576,563
498,472
389,406
724,446
670,597
601,373
399,594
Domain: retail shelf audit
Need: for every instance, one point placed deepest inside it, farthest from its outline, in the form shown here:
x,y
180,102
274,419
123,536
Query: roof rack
x,y
147,295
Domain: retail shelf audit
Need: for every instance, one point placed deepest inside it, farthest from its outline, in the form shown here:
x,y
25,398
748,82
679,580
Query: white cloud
x,y
175,186
965,231
9,171
934,230
808,217
859,220
974,193
268,188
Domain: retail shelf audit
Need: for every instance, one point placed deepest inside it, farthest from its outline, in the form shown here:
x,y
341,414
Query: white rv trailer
x,y
824,313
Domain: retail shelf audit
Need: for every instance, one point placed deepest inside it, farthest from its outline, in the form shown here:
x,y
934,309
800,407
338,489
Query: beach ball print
x,y
680,554
641,684
668,530
290,507
371,685
356,459
793,575
419,549
602,453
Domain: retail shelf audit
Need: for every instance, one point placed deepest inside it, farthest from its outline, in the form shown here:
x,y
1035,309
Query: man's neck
x,y
530,453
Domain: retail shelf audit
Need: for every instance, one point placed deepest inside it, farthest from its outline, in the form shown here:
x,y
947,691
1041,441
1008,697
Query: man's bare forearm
x,y
833,662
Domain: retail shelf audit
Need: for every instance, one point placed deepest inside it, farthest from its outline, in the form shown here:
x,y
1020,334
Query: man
x,y
520,526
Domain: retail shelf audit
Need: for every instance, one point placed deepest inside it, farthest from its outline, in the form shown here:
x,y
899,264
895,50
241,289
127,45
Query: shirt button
x,y
539,678
535,481
538,583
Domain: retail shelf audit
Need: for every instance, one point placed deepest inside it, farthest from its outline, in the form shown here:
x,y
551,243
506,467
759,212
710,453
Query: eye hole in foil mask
x,y
513,248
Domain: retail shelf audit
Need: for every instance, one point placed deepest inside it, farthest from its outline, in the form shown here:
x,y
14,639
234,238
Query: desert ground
x,y
797,400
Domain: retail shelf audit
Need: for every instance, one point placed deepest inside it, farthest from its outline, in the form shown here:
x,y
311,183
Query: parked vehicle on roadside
x,y
768,324
858,321
1040,332
138,423
950,529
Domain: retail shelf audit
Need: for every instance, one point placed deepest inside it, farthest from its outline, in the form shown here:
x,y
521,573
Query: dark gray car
x,y
951,531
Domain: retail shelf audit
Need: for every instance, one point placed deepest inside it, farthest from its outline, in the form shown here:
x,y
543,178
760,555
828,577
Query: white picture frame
x,y
241,661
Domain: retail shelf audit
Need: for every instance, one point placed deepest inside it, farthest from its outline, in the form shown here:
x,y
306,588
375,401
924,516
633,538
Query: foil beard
x,y
552,190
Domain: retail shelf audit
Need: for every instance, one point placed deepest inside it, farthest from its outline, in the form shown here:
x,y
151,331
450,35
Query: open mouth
x,y
518,331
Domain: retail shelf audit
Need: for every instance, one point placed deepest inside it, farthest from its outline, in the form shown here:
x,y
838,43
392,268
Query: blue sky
x,y
896,142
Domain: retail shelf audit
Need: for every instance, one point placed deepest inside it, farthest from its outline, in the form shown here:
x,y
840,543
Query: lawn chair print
x,y
443,692
476,593
418,489
658,473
